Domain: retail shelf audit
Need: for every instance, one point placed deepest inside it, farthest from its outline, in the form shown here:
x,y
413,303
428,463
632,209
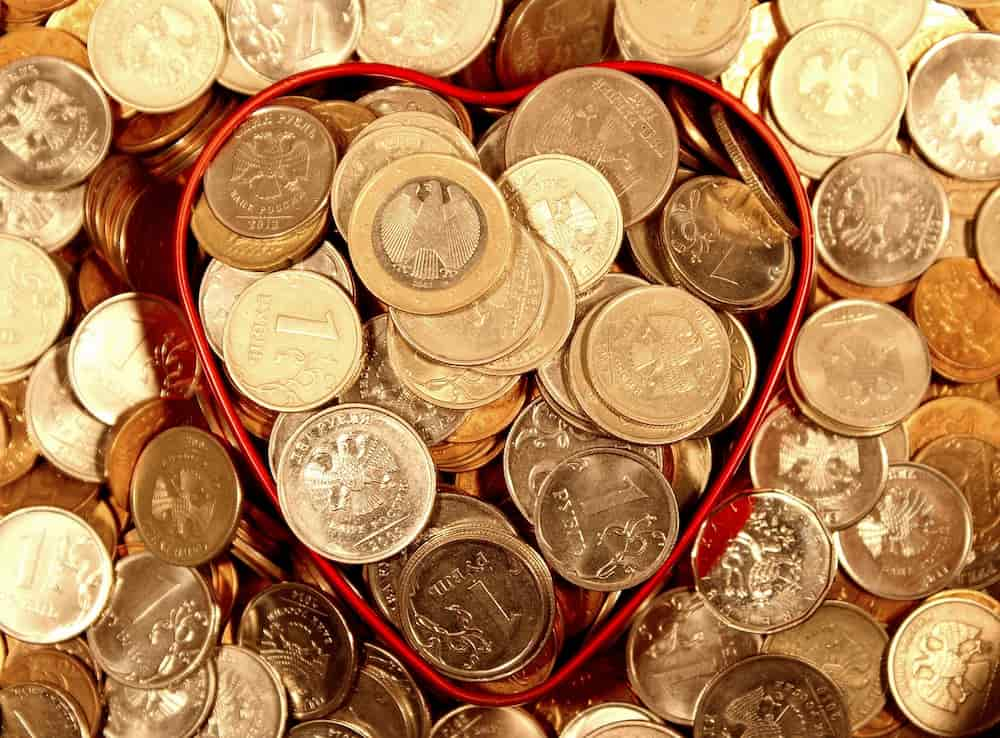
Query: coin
x,y
47,218
944,115
431,121
605,714
39,709
345,121
356,483
634,729
675,647
897,21
327,729
66,434
159,626
989,17
57,575
953,416
474,722
697,130
763,561
438,44
987,243
973,464
402,682
54,668
842,477
773,693
492,147
177,710
250,696
399,98
608,119
493,419
916,539
376,706
948,631
74,18
502,593
129,349
897,444
848,290
837,87
18,453
765,37
742,377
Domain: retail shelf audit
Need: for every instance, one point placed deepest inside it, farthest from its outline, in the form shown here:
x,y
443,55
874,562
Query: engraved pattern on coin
x,y
177,710
469,721
376,706
897,21
30,710
48,218
250,702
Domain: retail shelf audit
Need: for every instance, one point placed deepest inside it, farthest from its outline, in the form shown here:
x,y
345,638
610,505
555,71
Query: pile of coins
x,y
489,414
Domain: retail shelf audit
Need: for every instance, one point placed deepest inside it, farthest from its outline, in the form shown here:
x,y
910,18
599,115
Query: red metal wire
x,y
620,619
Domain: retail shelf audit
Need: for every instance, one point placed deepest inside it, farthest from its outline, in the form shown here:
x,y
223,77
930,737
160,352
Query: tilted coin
x,y
780,695
487,586
402,682
973,464
492,147
57,669
742,377
356,483
763,561
765,38
941,666
897,444
986,237
848,645
838,287
690,467
159,626
610,120
837,87
896,21
376,706
293,314
604,714
177,710
29,710
250,697
675,647
915,541
439,44
700,141
327,729
273,174
606,519
345,120
881,219
842,477
57,575
946,114
47,218
431,121
646,245
190,50
480,722
146,132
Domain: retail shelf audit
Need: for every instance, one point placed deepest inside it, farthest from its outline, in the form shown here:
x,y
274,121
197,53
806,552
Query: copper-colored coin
x,y
101,517
58,669
42,7
147,132
579,607
853,291
19,454
988,391
489,420
46,485
27,42
96,282
694,123
602,679
344,120
952,416
888,612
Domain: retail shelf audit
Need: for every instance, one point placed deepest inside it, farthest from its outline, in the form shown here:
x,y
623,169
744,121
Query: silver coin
x,y
763,561
477,603
742,377
987,236
635,729
56,125
284,427
492,149
159,626
916,540
177,710
951,114
250,697
692,469
675,647
356,483
31,710
897,444
430,121
408,98
376,706
897,21
483,722
606,519
840,476
418,712
772,695
328,729
646,245
604,714
47,218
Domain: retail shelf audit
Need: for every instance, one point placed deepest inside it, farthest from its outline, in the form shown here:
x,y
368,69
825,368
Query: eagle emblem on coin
x,y
272,164
39,121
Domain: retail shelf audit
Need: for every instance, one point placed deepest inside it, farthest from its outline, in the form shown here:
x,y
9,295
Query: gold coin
x,y
763,42
953,416
988,391
44,485
989,18
147,132
101,517
851,290
940,22
58,669
19,455
293,341
27,42
344,120
492,419
74,18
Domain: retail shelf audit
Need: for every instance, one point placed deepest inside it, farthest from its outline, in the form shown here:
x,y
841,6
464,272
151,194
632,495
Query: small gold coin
x,y
18,455
47,486
492,419
947,416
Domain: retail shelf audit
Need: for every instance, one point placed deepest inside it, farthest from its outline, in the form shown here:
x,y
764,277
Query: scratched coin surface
x,y
606,519
837,87
915,541
763,561
947,113
842,477
848,645
356,483
177,710
675,647
293,341
156,55
881,219
250,699
57,575
47,218
29,710
610,120
470,721
897,21
477,603
772,695
159,626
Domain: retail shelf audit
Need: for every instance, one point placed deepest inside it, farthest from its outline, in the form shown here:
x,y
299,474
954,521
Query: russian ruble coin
x,y
492,147
986,238
646,246
406,97
743,372
897,444
327,729
376,707
48,218
176,710
58,669
896,21
31,709
473,721
432,122
603,714
345,120
402,682
250,696
635,729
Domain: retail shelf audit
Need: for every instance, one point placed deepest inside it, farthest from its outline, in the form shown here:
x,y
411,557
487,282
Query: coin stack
x,y
488,414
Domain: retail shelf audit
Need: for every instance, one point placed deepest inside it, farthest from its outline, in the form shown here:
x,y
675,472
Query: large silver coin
x,y
176,710
250,700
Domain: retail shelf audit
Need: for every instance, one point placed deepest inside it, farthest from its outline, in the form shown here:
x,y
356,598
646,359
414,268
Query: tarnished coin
x,y
848,645
250,697
438,43
676,646
177,710
57,575
159,626
486,585
47,218
327,729
987,237
881,219
274,174
780,695
942,664
916,540
55,668
479,722
29,710
156,55
973,464
947,114
840,476
46,486
18,453
277,40
356,483
763,561
837,87
606,519
609,119
57,123
896,21
862,364
293,341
